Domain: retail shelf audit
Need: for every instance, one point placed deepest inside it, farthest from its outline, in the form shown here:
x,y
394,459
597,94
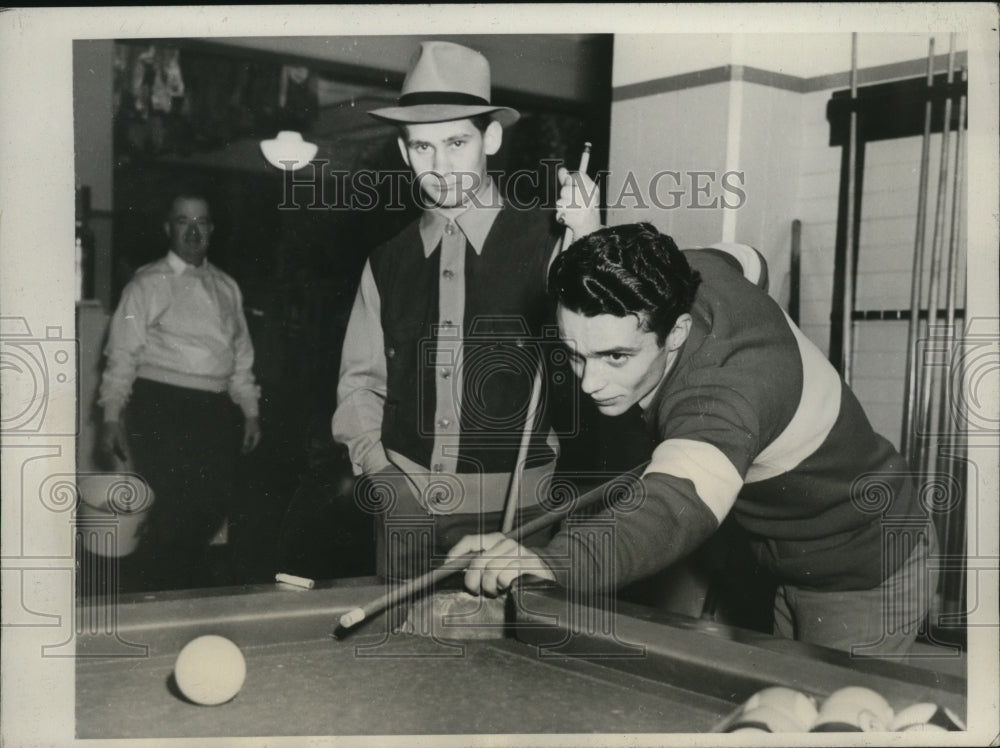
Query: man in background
x,y
179,395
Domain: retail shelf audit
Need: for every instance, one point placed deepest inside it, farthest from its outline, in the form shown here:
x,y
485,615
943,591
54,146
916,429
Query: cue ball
x,y
210,670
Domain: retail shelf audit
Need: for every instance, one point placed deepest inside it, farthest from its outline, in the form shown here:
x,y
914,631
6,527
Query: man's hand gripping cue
x,y
503,560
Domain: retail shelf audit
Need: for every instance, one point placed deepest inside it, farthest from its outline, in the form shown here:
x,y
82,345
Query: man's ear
x,y
492,138
679,333
402,150
166,228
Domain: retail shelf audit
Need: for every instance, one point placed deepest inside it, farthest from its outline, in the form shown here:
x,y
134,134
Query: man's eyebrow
x,y
617,349
575,353
450,139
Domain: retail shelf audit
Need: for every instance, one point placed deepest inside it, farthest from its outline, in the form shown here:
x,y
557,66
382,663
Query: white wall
x,y
643,57
770,122
679,131
776,133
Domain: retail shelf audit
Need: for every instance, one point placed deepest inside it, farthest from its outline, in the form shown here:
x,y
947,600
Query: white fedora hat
x,y
446,81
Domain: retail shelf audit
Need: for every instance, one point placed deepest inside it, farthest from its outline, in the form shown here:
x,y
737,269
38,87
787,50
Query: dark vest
x,y
508,325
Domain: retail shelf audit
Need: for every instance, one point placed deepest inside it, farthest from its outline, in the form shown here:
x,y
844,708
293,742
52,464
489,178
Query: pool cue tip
x,y
352,617
339,632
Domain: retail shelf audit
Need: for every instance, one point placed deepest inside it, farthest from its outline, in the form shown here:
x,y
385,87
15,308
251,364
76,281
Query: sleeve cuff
x,y
374,461
556,557
113,412
248,402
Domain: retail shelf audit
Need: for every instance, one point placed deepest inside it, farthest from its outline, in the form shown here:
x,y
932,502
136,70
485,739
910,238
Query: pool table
x,y
556,667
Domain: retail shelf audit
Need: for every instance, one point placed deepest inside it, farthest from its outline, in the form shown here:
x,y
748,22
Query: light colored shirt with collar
x,y
181,325
361,392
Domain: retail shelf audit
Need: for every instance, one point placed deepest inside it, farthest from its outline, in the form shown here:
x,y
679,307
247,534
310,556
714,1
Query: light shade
x,y
288,150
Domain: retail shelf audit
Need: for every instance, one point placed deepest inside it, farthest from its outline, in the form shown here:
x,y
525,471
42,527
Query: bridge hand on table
x,y
455,614
503,560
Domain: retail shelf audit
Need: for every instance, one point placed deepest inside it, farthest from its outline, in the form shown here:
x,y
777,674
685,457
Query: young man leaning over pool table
x,y
750,419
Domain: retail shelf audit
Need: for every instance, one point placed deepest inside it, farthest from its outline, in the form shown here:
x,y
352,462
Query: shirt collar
x,y
475,221
179,266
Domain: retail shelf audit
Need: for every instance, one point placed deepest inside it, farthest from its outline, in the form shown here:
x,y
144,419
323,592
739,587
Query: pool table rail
x,y
717,660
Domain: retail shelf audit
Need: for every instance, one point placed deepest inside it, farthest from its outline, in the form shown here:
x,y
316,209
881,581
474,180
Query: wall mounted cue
x,y
911,376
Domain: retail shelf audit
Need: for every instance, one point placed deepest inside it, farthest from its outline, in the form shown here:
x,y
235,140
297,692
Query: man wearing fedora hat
x,y
438,360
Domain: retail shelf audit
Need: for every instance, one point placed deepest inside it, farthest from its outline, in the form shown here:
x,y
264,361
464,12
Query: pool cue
x,y
584,165
933,293
847,322
952,446
411,587
911,378
956,227
514,490
795,272
949,282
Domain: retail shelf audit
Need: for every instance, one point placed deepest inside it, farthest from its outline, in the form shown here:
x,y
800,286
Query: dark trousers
x,y
186,444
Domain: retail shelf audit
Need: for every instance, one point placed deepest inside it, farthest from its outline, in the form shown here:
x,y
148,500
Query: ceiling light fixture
x,y
288,150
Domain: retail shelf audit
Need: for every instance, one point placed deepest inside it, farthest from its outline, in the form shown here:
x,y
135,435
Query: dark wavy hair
x,y
625,270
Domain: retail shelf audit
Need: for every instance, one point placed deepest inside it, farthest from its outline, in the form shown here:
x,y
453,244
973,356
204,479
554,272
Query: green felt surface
x,y
643,673
396,685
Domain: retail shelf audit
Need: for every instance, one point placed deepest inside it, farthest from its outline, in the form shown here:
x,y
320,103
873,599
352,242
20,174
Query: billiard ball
x,y
854,709
764,719
210,670
927,718
795,705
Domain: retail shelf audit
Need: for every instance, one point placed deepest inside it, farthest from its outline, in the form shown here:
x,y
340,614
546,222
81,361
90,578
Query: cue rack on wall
x,y
932,437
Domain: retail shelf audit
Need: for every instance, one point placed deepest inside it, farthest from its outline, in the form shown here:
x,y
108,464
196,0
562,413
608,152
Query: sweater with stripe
x,y
751,420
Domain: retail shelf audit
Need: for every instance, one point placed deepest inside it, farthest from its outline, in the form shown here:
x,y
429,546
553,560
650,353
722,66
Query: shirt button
x,y
438,467
445,373
448,274
444,423
449,229
447,322
390,352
